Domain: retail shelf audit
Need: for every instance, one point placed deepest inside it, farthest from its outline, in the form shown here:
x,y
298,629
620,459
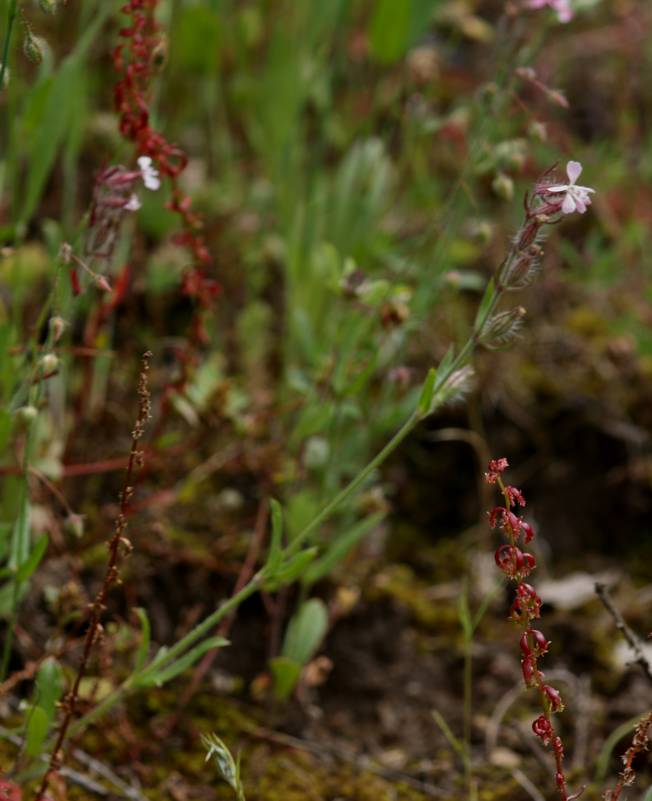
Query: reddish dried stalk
x,y
119,546
526,607
140,52
640,743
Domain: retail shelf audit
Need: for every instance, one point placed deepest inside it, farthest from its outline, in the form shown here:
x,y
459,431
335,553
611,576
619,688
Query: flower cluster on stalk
x,y
547,204
135,59
561,7
517,564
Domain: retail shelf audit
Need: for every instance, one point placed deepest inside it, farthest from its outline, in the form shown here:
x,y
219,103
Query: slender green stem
x,y
134,682
353,485
468,701
11,16
137,680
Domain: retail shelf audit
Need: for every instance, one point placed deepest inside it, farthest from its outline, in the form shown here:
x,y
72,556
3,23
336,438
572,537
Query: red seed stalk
x,y
135,59
517,564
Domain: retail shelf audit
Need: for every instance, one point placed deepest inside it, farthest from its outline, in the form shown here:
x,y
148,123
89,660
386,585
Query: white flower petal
x,y
573,170
149,173
569,205
133,204
558,188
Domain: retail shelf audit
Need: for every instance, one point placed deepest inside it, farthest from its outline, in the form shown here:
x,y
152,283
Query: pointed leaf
x,y
427,392
143,648
275,555
305,631
28,567
165,674
338,549
485,304
285,673
37,730
292,570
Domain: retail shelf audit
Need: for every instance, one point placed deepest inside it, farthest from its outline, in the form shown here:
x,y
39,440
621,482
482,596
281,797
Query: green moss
x,y
299,776
400,583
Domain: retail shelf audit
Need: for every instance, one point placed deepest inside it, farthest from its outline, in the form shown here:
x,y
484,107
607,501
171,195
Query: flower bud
x,y
503,186
542,728
74,524
528,667
26,414
49,363
57,327
102,284
316,453
520,272
553,697
65,253
494,469
33,47
500,330
537,131
533,642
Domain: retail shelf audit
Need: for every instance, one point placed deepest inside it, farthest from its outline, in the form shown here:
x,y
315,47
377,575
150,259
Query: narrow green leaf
x,y
37,730
165,674
390,29
305,631
275,555
50,134
20,537
37,553
485,303
464,614
338,549
427,392
454,742
285,673
292,569
49,686
143,648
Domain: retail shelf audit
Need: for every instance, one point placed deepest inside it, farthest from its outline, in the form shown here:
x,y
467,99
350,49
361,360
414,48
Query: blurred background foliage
x,y
360,166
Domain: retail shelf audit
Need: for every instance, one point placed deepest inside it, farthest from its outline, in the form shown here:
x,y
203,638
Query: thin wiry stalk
x,y
119,546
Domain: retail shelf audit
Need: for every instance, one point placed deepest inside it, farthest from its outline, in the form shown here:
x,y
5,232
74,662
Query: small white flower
x,y
149,173
576,198
133,204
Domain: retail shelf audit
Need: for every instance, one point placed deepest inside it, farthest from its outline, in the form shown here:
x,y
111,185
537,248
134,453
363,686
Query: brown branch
x,y
119,546
632,640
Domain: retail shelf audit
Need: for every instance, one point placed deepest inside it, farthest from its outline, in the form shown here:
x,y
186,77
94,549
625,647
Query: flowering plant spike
x,y
562,7
517,564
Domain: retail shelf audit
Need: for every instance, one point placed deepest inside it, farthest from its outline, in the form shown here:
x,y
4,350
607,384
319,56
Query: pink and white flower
x,y
149,173
562,7
576,198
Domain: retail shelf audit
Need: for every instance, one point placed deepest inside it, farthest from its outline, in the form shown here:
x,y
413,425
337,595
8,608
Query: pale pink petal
x,y
573,170
564,12
558,188
568,206
581,204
